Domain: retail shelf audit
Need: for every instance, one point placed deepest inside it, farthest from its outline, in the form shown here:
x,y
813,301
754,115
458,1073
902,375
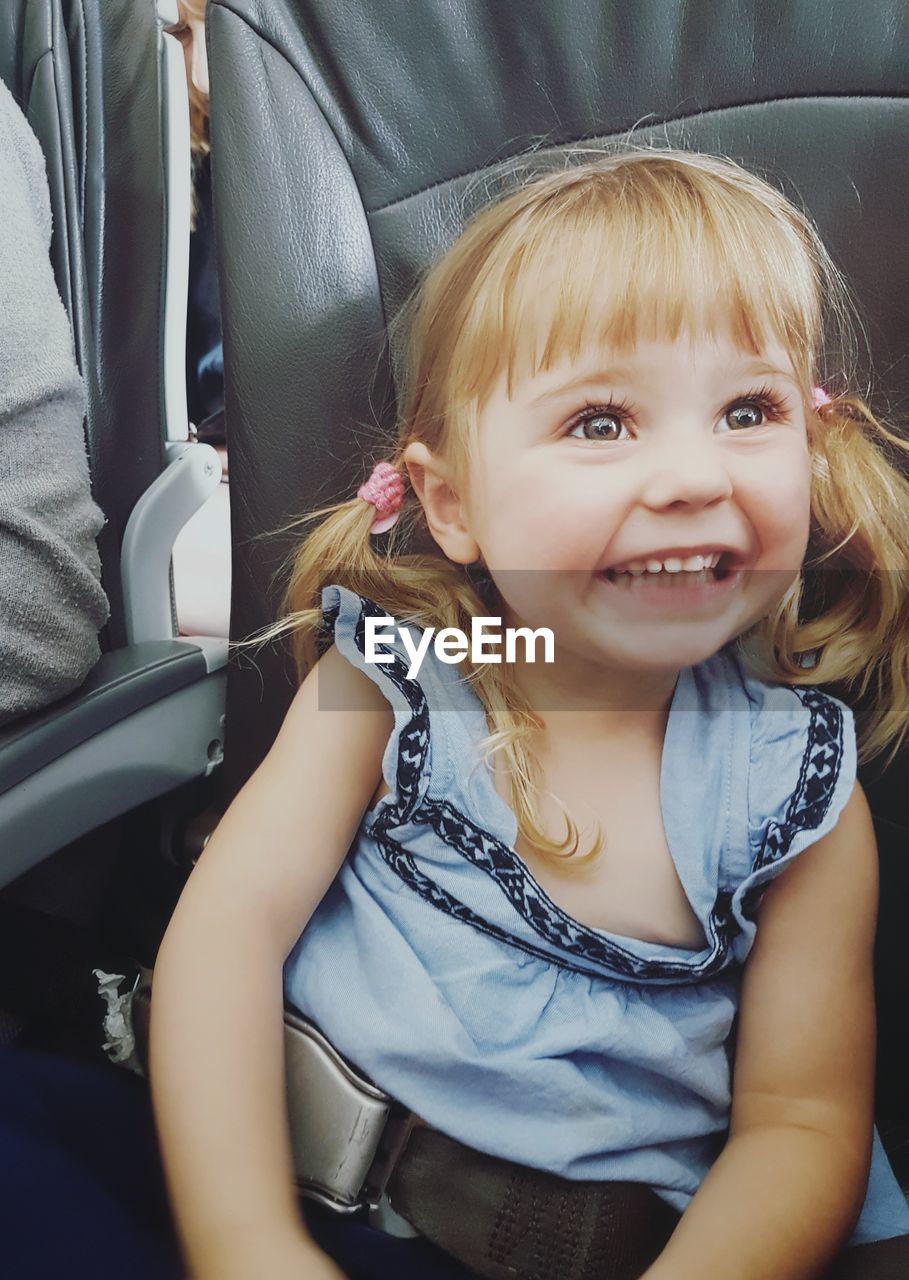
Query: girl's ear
x,y
444,511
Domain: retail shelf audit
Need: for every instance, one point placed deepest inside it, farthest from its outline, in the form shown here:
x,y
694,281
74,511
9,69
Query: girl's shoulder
x,y
396,652
438,718
777,753
801,752
791,769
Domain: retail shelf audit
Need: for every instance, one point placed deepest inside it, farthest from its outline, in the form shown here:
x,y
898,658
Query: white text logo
x,y
451,645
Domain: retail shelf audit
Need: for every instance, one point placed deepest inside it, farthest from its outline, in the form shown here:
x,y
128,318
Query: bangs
x,y
611,256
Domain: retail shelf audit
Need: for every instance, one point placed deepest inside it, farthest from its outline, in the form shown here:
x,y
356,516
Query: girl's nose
x,y
689,474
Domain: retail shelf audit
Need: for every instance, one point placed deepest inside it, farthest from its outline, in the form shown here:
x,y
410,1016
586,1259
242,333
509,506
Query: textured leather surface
x,y
115,79
85,72
463,83
351,142
47,96
12,18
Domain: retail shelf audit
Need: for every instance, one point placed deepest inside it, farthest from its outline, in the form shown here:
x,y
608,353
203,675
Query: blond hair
x,y
643,243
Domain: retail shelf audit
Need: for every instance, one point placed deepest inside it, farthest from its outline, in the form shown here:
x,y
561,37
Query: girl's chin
x,y
649,650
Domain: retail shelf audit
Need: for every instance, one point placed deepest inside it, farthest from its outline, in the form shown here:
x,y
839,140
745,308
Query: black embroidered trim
x,y
493,856
404,864
820,768
413,741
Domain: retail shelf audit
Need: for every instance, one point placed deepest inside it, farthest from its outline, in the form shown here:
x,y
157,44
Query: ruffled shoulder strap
x,y
436,715
802,770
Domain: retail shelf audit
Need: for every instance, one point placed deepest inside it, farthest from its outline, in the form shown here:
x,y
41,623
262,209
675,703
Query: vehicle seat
x,y
105,92
351,143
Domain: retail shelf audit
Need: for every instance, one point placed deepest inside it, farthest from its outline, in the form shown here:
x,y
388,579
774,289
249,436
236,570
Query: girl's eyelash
x,y
773,405
769,401
620,409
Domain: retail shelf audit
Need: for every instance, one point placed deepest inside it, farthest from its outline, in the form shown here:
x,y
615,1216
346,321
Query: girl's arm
x,y
784,1195
217,1064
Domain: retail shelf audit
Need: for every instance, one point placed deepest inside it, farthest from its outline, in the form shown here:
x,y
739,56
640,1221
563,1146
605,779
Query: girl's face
x,y
597,471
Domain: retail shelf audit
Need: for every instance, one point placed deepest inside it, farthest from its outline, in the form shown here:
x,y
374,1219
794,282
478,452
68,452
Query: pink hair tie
x,y
385,491
819,397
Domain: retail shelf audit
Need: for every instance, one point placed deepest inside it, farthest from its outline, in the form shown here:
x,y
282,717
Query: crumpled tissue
x,y
120,1045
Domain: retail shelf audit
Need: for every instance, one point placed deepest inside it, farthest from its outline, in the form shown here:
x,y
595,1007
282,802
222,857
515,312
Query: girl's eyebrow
x,y
616,373
761,369
621,372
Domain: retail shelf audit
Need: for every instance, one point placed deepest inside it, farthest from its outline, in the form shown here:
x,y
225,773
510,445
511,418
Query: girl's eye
x,y
598,424
745,415
754,411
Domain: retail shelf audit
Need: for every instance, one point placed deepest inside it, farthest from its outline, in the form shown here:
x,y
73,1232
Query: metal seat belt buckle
x,y
346,1133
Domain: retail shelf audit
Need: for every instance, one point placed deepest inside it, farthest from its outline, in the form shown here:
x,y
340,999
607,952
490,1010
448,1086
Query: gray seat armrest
x,y
148,718
121,683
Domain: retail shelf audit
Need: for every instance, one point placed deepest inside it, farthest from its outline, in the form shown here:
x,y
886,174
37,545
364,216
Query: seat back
x,y
106,94
12,17
86,74
350,144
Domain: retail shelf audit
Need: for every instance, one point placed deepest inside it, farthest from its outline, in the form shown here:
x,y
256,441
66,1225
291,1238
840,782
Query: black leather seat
x,y
354,140
92,77
69,69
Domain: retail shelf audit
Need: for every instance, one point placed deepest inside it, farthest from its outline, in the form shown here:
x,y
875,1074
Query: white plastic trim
x,y
192,474
214,650
178,206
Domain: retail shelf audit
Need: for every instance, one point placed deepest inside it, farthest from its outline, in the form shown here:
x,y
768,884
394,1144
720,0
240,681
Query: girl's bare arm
x,y
782,1198
217,1063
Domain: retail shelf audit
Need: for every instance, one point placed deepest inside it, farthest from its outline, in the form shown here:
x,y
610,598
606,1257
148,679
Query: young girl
x,y
546,905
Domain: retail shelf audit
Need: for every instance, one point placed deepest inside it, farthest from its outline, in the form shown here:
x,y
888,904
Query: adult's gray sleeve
x,y
51,602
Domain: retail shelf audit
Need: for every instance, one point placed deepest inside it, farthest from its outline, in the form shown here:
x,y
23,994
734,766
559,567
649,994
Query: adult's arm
x,y
51,601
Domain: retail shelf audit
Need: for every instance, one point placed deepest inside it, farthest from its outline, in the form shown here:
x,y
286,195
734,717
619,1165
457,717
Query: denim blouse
x,y
440,967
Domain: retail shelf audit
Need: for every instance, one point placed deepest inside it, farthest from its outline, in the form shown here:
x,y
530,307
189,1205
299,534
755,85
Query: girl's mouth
x,y
670,588
672,574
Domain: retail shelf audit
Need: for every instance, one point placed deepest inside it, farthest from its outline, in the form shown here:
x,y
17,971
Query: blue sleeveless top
x,y
440,967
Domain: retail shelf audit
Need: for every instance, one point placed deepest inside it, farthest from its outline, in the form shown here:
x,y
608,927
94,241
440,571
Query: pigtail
x,y
422,590
846,622
339,547
339,537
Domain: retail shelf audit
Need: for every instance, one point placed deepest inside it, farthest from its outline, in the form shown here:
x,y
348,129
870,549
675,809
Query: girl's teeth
x,y
692,564
629,578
